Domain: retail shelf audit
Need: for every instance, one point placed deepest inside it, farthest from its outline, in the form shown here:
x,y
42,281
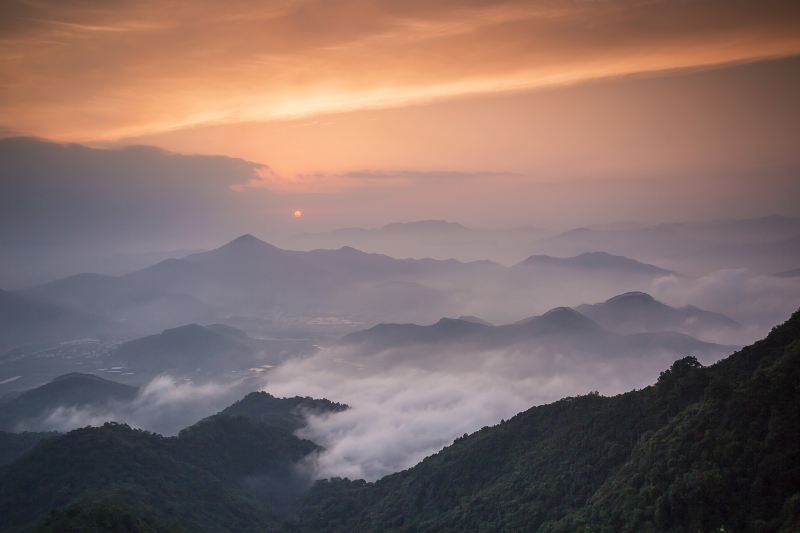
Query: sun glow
x,y
297,213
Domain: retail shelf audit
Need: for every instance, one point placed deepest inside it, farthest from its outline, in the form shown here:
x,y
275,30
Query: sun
x,y
297,213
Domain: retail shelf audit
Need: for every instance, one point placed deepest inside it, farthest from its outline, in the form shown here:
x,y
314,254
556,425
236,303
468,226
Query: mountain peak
x,y
633,296
244,243
561,319
246,240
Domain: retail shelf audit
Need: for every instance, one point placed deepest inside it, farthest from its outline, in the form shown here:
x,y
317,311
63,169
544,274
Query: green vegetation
x,y
225,473
704,449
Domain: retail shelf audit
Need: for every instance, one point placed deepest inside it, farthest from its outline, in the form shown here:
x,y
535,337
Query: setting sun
x,y
297,213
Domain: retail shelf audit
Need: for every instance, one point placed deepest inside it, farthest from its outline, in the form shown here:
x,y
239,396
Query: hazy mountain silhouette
x,y
70,390
561,330
25,319
764,244
595,263
439,239
250,276
189,348
637,312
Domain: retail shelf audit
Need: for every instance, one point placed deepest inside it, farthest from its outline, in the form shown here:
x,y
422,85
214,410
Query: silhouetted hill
x,y
26,319
233,471
15,445
560,330
70,390
187,348
764,244
637,312
248,276
596,262
789,273
285,413
704,449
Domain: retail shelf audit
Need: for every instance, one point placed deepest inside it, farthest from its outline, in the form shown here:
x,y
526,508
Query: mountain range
x,y
626,331
702,449
252,284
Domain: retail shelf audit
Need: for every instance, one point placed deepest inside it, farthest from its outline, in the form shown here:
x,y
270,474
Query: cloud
x,y
409,403
760,302
72,199
111,70
164,405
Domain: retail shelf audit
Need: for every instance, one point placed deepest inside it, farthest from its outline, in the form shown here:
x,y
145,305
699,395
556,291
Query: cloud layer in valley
x,y
164,405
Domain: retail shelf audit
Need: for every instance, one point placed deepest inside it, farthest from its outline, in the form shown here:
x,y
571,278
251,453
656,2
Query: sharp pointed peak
x,y
247,238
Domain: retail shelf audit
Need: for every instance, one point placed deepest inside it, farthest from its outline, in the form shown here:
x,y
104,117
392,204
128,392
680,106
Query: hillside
x,y
187,348
597,263
70,390
638,312
704,449
25,319
233,471
561,330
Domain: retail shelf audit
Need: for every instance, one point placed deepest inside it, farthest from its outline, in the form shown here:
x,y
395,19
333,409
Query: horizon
x,y
399,265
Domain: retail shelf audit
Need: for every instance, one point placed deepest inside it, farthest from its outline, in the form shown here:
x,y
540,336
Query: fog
x,y
164,405
408,403
759,302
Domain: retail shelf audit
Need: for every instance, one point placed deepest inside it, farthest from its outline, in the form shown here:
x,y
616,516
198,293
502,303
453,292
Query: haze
x,y
456,248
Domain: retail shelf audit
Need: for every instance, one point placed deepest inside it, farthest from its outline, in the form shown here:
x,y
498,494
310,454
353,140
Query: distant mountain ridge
x,y
700,450
560,330
655,459
596,261
250,277
69,390
638,312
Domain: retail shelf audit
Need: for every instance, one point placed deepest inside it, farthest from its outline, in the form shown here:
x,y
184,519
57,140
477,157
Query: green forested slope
x,y
704,449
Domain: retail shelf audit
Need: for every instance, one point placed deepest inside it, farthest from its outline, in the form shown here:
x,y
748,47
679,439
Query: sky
x,y
360,112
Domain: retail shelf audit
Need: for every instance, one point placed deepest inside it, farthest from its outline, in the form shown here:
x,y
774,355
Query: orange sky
x,y
358,94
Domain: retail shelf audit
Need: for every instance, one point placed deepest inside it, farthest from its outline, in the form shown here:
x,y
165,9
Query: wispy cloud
x,y
98,70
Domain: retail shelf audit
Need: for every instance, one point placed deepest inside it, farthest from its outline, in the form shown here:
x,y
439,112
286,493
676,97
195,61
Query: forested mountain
x,y
704,449
234,471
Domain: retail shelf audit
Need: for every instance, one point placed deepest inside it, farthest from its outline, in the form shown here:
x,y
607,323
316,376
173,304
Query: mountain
x,y
595,263
789,273
15,445
285,413
561,331
427,226
250,277
763,245
703,449
26,319
228,472
638,312
186,349
439,239
70,390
